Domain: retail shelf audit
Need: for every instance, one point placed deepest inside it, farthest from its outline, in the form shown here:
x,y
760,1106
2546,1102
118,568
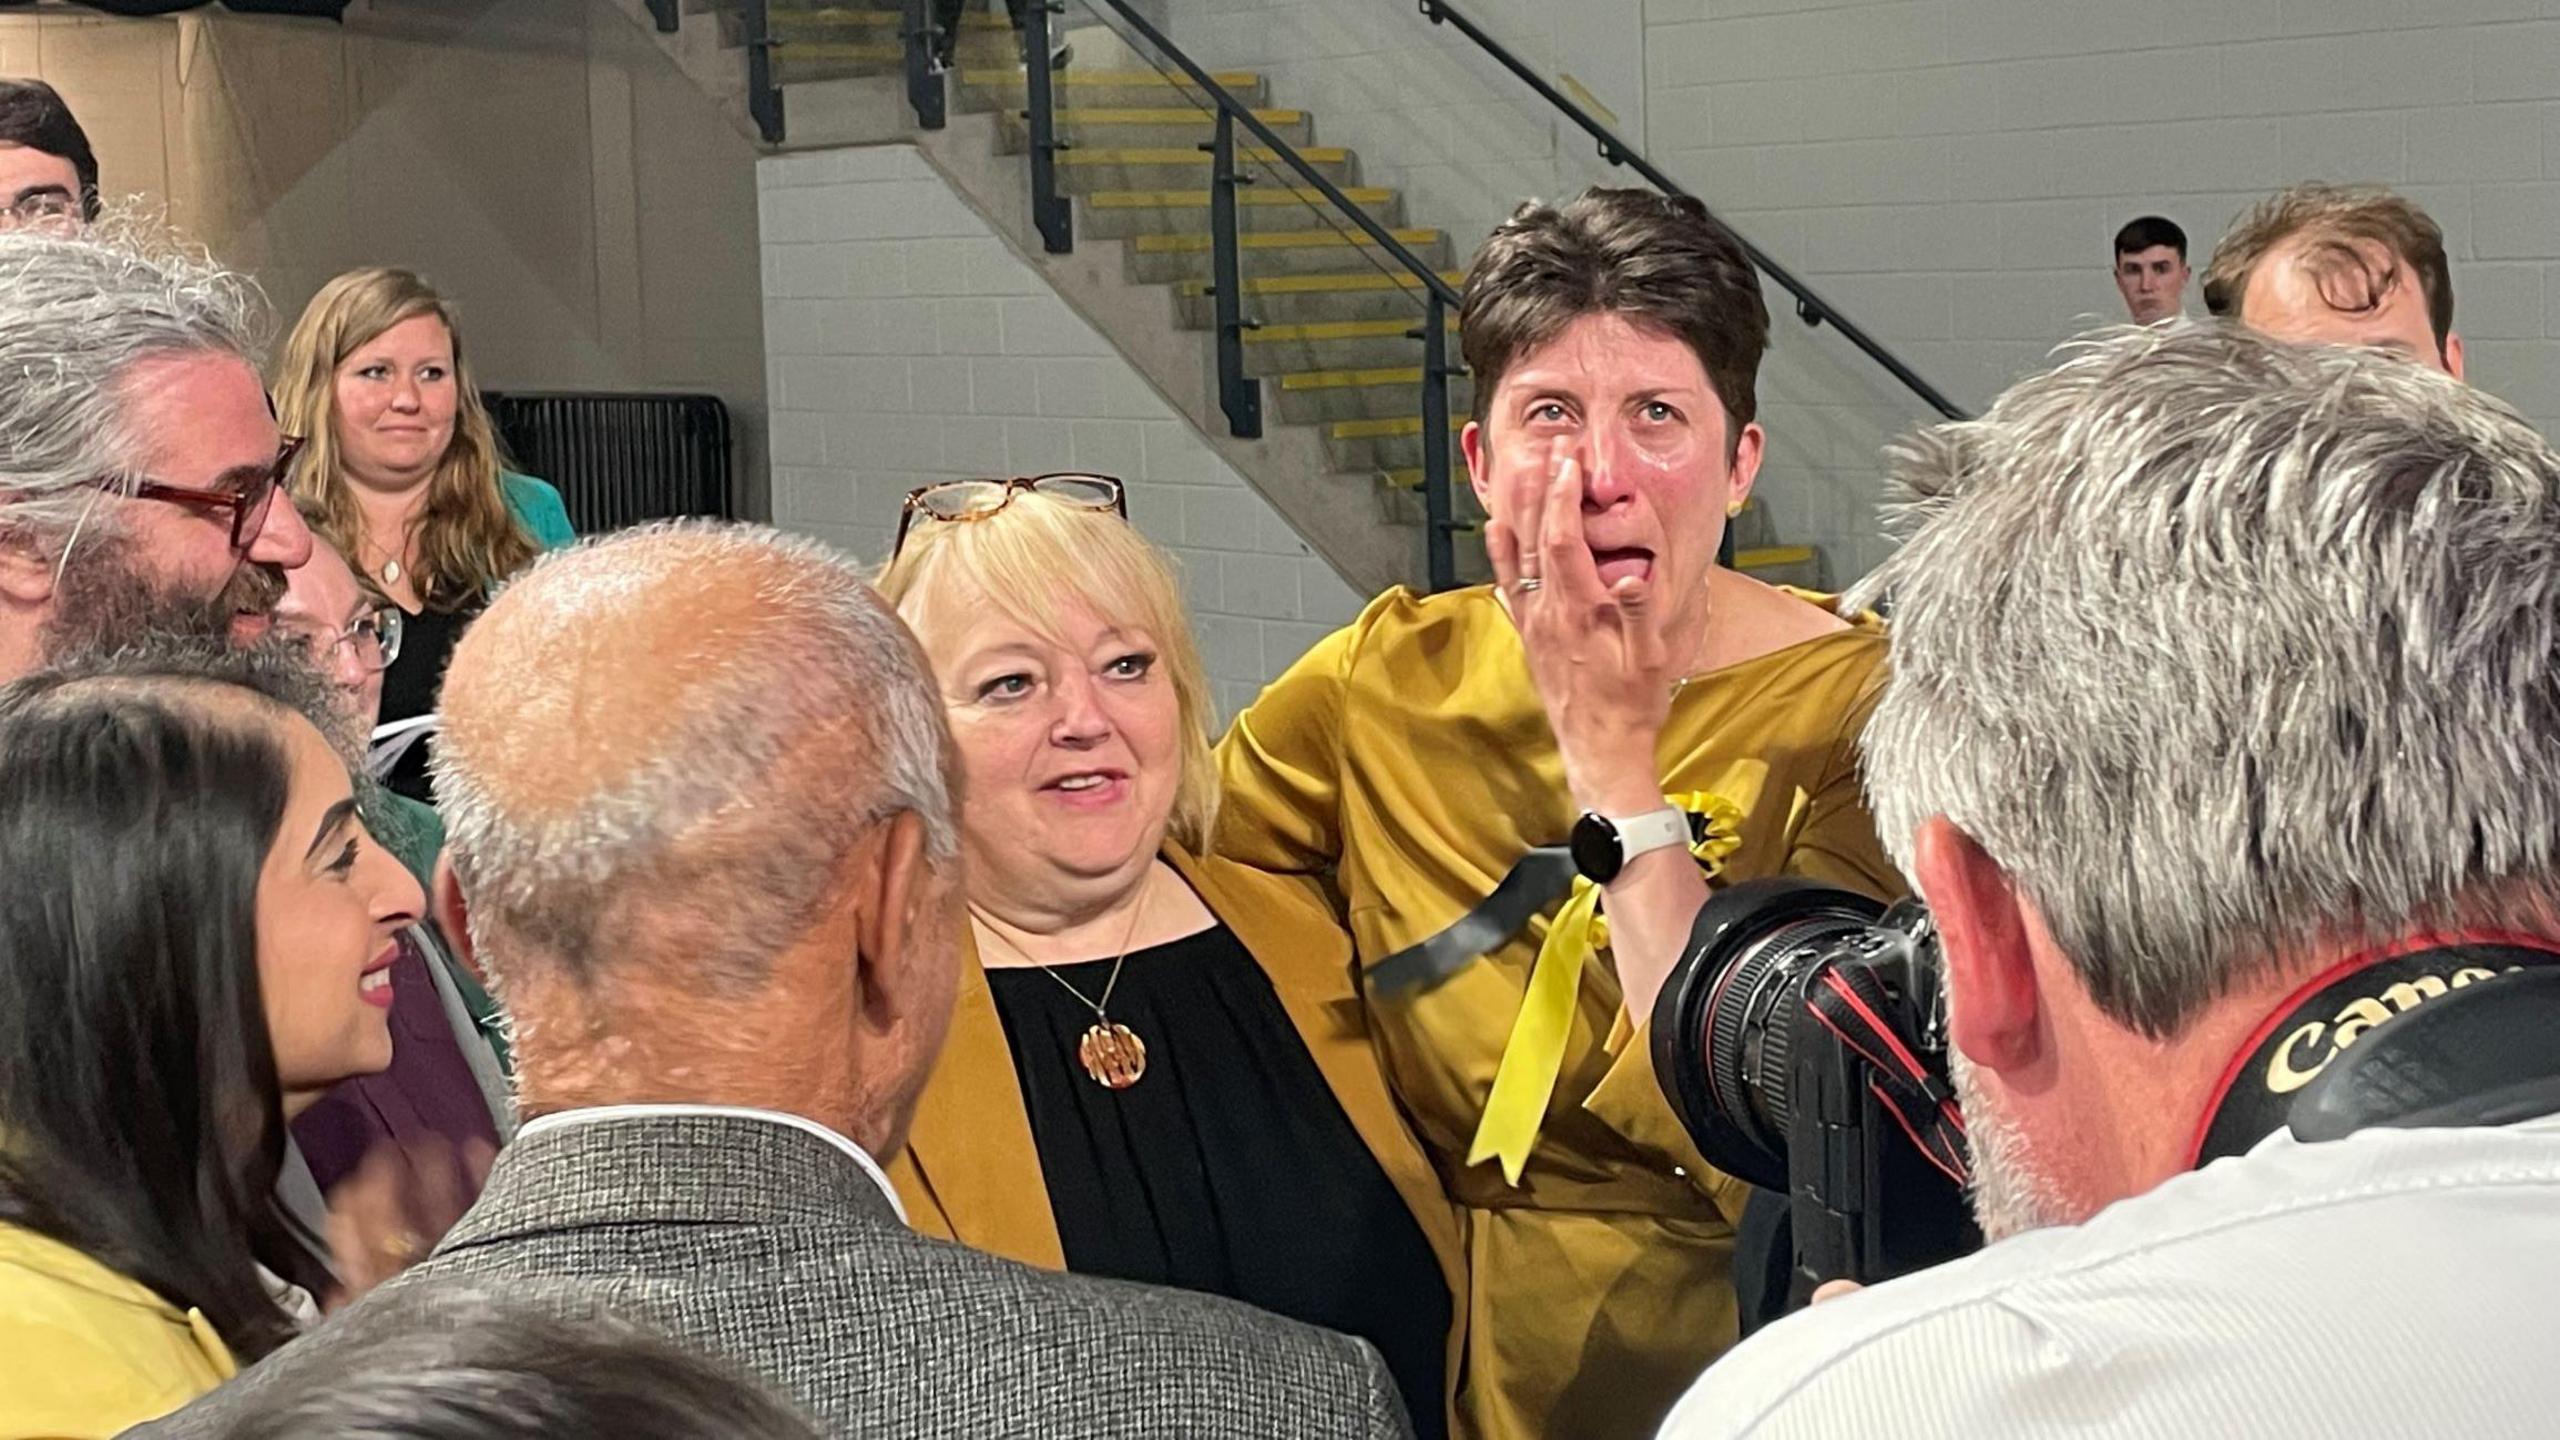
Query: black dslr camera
x,y
1802,1041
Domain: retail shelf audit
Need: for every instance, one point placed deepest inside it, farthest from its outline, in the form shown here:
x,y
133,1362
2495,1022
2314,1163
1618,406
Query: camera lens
x,y
1724,1027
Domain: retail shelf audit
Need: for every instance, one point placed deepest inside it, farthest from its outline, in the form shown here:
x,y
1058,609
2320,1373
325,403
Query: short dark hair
x,y
1661,261
2330,220
138,1091
474,1369
32,114
2143,232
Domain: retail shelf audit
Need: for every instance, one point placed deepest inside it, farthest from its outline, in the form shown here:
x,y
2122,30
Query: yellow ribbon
x,y
1534,1056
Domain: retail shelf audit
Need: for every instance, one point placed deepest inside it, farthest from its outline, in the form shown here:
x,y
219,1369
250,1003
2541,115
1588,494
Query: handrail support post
x,y
1051,213
924,86
1239,394
1440,524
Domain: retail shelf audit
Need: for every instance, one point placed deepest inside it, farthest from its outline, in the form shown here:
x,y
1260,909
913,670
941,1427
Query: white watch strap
x,y
1653,830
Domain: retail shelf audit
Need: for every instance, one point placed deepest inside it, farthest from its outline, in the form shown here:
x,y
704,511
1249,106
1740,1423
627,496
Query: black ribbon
x,y
1537,879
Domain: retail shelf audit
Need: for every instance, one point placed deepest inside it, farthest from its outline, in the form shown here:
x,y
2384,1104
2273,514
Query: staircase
x,y
1337,342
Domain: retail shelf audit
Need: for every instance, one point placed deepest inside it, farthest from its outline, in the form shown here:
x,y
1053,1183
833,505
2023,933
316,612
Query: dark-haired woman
x,y
198,935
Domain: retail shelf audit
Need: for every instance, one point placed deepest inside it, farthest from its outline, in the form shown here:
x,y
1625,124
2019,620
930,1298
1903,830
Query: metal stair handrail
x,y
1810,307
1240,396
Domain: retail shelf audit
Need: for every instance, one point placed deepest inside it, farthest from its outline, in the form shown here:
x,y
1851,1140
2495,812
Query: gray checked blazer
x,y
768,1247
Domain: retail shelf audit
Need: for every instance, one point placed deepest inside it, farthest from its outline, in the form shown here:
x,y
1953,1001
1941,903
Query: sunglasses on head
x,y
252,494
978,499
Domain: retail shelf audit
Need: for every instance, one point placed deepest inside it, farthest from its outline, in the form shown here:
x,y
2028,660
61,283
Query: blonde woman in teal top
x,y
400,469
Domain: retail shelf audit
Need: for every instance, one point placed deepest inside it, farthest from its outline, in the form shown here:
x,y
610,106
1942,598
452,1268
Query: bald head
x,y
660,749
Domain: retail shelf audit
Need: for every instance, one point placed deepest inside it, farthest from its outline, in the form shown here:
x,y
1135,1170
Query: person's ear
x,y
26,569
1994,1002
901,953
1748,450
452,915
1471,442
2453,353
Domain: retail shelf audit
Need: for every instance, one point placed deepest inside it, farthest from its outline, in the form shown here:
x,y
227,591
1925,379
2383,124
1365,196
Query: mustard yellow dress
x,y
85,1351
1408,756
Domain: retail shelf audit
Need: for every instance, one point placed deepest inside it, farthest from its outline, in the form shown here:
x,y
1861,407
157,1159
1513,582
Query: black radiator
x,y
620,459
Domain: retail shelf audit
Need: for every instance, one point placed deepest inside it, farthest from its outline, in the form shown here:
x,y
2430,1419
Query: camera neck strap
x,y
2314,1031
1850,1002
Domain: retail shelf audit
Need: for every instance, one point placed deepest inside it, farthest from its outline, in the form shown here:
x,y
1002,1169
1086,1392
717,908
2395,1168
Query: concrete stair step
x,y
1121,214
803,62
1179,124
1389,443
1163,259
1400,500
1798,565
1083,171
1382,294
1313,397
1001,88
985,40
1335,345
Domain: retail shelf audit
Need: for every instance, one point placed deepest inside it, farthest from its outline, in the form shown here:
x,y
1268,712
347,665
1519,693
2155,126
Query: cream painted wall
x,y
588,208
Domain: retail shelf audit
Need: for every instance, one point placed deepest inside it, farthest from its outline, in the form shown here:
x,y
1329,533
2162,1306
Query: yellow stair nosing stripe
x,y
1769,556
852,17
1334,330
1386,428
1199,199
1283,240
1313,155
1351,379
834,50
1323,284
1103,79
1153,115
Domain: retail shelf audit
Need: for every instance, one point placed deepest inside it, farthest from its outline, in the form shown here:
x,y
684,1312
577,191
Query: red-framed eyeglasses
x,y
247,504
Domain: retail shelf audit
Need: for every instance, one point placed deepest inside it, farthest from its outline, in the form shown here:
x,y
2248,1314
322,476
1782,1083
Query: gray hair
x,y
728,812
2226,650
77,313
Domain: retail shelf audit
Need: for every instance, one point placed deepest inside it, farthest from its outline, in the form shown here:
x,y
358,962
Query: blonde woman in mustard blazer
x,y
1158,1068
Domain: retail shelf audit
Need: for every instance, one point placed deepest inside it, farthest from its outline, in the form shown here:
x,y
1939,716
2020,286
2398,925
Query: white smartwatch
x,y
1603,844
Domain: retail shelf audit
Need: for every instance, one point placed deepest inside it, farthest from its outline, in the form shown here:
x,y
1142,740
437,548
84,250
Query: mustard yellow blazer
x,y
89,1352
971,1171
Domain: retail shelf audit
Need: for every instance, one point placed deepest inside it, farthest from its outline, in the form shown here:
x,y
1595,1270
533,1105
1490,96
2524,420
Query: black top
x,y
409,687
1228,1167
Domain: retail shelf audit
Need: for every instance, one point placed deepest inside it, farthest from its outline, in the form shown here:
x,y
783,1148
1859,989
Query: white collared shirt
x,y
560,1119
2394,1283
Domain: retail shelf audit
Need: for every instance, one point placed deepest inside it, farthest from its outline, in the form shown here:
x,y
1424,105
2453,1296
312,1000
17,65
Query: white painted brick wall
x,y
1950,172
906,342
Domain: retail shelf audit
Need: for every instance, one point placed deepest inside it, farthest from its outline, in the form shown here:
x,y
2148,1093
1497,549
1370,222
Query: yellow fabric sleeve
x,y
1280,764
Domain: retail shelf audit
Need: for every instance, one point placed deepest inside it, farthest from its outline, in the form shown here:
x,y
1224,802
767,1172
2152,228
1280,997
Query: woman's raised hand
x,y
1599,654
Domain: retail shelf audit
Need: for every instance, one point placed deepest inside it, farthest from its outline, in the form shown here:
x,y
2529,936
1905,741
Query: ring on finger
x,y
1527,583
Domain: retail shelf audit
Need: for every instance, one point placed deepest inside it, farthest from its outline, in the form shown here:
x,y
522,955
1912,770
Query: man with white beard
x,y
2220,740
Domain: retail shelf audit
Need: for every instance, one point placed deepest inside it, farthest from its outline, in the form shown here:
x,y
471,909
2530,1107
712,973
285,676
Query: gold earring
x,y
1733,510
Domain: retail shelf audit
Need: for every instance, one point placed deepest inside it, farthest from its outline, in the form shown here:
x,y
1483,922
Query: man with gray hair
x,y
139,462
2221,740
699,798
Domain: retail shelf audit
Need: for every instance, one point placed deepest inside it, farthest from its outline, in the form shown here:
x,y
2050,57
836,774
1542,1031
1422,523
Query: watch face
x,y
1595,849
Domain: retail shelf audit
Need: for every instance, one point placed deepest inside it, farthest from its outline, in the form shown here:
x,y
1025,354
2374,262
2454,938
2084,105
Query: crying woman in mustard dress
x,y
1612,670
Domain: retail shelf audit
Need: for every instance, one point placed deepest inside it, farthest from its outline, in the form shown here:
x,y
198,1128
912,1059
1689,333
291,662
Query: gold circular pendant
x,y
1113,1055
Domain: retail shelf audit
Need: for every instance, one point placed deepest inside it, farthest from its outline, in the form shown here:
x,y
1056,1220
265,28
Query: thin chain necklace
x,y
1111,1052
390,570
